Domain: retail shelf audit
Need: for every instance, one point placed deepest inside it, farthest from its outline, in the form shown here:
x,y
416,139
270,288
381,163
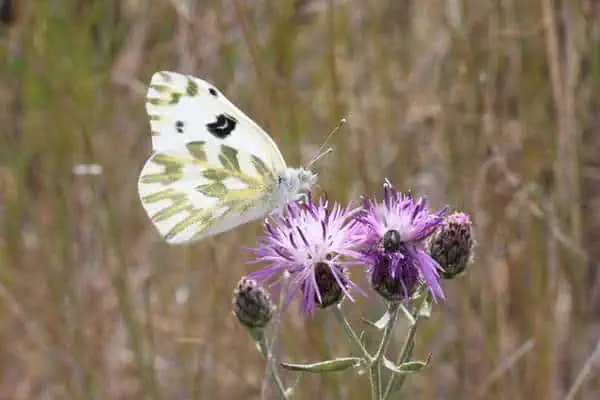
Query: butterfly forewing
x,y
202,188
183,108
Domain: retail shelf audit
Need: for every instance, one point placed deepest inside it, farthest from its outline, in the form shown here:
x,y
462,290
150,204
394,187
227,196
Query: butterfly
x,y
212,168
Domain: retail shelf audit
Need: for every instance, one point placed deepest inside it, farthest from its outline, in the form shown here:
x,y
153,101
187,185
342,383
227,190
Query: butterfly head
x,y
293,182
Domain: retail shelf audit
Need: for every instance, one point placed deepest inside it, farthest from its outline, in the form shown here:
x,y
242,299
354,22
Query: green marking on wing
x,y
175,97
238,204
197,150
179,203
261,167
166,194
215,174
168,94
172,170
233,201
218,187
161,88
173,166
229,158
204,218
255,185
192,87
215,189
157,101
258,183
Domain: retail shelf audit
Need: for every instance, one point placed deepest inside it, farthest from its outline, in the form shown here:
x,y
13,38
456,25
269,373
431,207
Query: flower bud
x,y
252,304
452,245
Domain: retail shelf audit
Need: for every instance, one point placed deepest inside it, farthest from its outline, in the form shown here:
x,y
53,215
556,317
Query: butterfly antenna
x,y
323,152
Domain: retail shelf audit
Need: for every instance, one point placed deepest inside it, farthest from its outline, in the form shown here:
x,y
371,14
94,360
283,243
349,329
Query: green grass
x,y
490,106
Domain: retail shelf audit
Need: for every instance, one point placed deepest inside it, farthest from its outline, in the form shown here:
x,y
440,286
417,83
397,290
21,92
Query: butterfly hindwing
x,y
203,188
183,108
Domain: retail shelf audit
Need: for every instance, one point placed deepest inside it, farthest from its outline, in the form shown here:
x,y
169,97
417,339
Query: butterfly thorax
x,y
291,184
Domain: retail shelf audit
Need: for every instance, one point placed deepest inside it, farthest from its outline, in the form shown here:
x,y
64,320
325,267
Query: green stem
x,y
375,382
405,351
264,349
341,317
374,379
393,310
375,367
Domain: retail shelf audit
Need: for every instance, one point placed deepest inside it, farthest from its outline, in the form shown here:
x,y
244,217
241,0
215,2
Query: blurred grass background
x,y
490,106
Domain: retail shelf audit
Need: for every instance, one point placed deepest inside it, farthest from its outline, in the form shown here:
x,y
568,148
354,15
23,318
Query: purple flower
x,y
394,232
314,245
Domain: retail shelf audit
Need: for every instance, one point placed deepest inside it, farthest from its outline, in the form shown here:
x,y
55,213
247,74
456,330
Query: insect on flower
x,y
394,232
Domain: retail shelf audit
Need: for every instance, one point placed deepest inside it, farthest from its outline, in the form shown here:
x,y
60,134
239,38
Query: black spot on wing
x,y
179,126
222,126
213,92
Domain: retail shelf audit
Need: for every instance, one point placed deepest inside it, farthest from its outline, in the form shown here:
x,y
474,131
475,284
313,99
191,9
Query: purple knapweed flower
x,y
314,244
395,232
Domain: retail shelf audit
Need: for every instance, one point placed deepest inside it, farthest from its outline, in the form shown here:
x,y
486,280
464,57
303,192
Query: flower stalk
x,y
263,347
341,318
406,251
393,309
395,383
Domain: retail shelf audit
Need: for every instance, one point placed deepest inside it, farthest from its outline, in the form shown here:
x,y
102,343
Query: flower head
x,y
311,243
252,304
394,232
452,245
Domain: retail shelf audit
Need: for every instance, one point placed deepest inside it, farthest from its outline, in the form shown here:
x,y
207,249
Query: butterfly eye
x,y
279,180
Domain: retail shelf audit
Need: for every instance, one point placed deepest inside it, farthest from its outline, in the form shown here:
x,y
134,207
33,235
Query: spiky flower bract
x,y
252,304
395,231
314,244
452,245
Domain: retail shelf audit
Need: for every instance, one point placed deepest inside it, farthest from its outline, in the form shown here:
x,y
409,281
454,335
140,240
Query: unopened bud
x,y
252,304
452,245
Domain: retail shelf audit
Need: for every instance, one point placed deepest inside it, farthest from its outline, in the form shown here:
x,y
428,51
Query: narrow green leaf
x,y
407,314
380,324
426,308
362,337
336,365
409,367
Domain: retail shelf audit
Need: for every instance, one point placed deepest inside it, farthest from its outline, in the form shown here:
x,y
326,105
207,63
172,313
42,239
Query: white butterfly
x,y
212,168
